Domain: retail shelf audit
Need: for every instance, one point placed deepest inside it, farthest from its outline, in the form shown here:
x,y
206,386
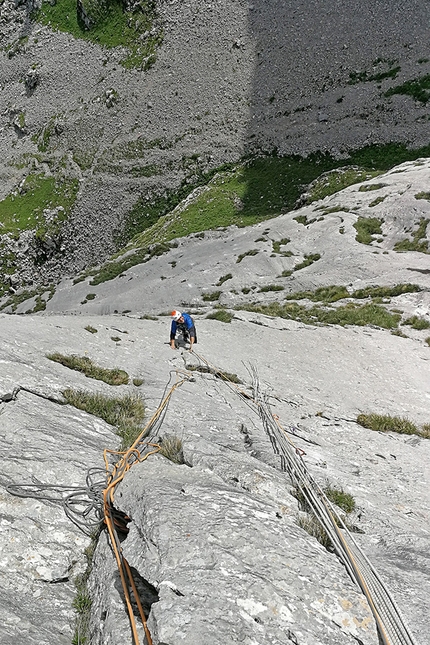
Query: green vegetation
x,y
343,500
377,201
427,340
366,227
126,413
23,210
276,245
92,330
335,180
387,423
137,382
112,27
82,601
385,292
422,195
271,287
247,193
309,259
211,297
364,77
112,269
350,314
418,89
369,187
419,242
222,315
223,279
16,300
313,527
322,294
244,255
417,323
172,449
86,366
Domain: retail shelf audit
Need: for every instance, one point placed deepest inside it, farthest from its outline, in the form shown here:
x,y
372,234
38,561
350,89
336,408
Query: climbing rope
x,y
90,506
389,620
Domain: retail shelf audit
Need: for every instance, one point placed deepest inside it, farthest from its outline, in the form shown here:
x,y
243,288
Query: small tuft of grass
x,y
276,244
387,423
385,292
328,294
149,317
92,330
418,89
419,242
366,228
115,339
369,187
211,297
172,448
84,364
223,279
126,413
222,315
343,500
427,340
312,526
309,259
271,287
243,255
417,323
138,382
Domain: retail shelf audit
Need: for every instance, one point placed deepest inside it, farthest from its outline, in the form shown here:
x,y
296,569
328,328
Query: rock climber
x,y
185,324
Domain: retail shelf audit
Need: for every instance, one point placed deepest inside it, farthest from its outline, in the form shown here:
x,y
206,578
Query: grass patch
x,y
172,449
92,330
427,340
276,245
328,294
23,210
423,195
313,527
112,27
377,201
369,187
138,382
418,89
351,314
244,255
222,315
211,297
366,228
271,287
126,413
86,366
309,259
386,423
343,500
223,279
417,323
419,242
335,180
385,292
113,269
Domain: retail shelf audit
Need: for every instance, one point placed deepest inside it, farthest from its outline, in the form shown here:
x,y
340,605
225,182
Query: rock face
x,y
215,542
185,275
235,79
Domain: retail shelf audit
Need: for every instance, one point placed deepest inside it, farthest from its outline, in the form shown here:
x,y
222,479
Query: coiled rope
x,y
389,620
90,506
